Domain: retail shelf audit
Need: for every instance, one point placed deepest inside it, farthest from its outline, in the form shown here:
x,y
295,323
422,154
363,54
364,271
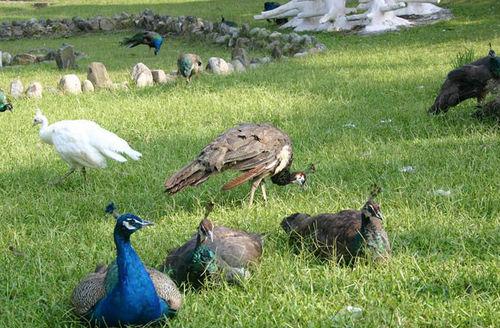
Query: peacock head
x,y
371,208
300,177
39,117
126,224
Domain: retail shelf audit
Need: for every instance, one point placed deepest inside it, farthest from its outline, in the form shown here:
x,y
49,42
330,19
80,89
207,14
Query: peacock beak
x,y
146,223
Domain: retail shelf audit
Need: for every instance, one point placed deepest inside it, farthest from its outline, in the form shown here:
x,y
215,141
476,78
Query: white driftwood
x,y
419,8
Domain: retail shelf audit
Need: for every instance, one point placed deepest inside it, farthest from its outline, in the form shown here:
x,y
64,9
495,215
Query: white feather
x,y
83,143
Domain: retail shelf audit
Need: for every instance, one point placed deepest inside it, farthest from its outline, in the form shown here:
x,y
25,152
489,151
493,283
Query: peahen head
x,y
205,228
300,177
371,208
126,224
494,62
39,117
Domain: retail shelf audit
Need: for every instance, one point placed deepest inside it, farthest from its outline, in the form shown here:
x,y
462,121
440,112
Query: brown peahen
x,y
214,253
258,150
473,80
189,65
344,234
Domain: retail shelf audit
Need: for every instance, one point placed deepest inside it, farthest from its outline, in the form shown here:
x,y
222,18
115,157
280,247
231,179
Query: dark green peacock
x,y
216,253
189,65
346,234
5,104
474,80
149,38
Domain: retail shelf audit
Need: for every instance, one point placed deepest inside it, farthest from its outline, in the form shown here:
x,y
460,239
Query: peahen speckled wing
x,y
256,149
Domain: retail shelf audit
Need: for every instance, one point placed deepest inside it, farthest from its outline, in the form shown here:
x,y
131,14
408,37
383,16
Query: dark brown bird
x,y
214,252
473,80
489,110
343,234
258,150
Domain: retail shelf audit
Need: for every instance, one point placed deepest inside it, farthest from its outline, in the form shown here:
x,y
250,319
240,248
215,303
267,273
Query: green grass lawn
x,y
445,266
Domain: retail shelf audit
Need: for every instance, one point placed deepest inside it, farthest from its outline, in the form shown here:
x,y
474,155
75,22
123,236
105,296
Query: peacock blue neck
x,y
133,299
157,42
371,235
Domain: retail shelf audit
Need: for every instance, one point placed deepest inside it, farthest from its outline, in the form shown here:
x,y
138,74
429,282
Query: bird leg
x,y
84,173
255,185
263,188
61,179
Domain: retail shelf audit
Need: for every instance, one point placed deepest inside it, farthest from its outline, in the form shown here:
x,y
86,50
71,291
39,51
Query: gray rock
x,y
276,53
254,65
24,59
241,55
93,23
265,60
159,76
254,31
65,57
34,90
98,75
275,35
300,54
1,61
218,66
245,29
106,24
321,47
222,39
16,88
142,75
120,86
238,66
70,83
87,86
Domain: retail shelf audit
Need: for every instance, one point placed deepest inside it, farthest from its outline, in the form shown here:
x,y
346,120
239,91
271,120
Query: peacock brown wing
x,y
176,263
166,288
88,292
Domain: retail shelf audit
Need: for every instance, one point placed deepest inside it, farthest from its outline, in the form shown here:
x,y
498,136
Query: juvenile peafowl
x,y
473,80
126,292
149,38
258,150
269,5
83,143
189,65
345,234
214,253
5,104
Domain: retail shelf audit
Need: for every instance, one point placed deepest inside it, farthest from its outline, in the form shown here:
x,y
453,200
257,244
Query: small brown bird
x,y
344,234
473,80
258,150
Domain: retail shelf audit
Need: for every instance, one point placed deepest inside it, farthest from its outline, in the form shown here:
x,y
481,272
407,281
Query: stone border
x,y
287,44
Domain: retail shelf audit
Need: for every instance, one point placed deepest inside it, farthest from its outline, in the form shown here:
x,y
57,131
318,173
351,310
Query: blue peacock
x,y
5,104
126,292
149,38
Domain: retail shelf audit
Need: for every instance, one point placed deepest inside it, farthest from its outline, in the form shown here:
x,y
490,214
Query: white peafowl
x,y
83,143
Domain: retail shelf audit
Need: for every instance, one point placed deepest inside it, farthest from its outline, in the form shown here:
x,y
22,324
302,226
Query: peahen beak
x,y
211,236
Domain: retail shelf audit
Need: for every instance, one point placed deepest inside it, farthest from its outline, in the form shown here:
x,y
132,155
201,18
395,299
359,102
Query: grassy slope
x,y
445,266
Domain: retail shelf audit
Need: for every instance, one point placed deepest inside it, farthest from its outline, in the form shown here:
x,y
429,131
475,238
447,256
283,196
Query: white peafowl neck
x,y
45,133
